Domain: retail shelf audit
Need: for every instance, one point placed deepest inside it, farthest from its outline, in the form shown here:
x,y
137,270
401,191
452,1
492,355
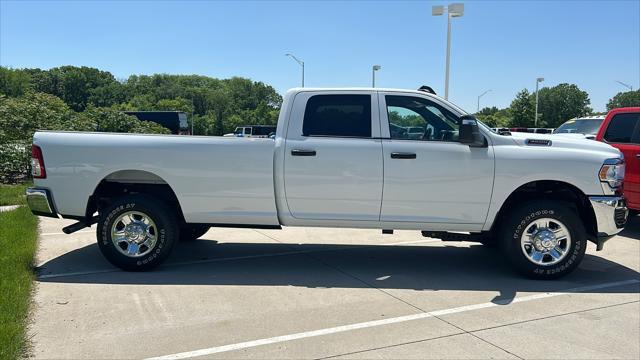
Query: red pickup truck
x,y
621,129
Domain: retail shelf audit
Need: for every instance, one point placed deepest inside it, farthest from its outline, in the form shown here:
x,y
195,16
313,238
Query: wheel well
x,y
552,190
127,182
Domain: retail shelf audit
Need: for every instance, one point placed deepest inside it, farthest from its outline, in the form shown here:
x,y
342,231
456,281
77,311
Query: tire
x,y
148,238
192,232
561,239
633,213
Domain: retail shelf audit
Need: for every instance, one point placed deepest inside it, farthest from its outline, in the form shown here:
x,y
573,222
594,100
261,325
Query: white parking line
x,y
368,324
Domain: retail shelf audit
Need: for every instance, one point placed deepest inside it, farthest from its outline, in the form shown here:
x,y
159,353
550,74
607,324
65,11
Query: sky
x,y
498,45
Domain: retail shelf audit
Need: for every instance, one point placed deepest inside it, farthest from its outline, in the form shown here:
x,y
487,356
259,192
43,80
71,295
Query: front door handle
x,y
403,155
302,152
638,156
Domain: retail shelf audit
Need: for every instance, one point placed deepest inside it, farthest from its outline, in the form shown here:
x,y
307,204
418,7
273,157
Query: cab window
x,y
338,115
414,118
622,127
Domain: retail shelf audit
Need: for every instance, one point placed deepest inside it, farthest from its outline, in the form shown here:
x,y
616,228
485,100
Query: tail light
x,y
37,163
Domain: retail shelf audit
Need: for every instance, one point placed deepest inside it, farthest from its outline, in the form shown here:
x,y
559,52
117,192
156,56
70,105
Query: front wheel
x,y
136,233
543,239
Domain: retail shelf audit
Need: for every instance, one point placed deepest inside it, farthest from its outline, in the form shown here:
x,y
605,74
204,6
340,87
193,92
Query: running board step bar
x,y
79,225
455,236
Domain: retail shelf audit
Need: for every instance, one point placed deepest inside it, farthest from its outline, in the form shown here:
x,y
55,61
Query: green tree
x,y
111,120
108,95
522,109
21,117
488,111
495,117
14,83
177,104
560,103
624,99
72,84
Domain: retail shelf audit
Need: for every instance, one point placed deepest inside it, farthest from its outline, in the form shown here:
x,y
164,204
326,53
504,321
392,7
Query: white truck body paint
x,y
351,183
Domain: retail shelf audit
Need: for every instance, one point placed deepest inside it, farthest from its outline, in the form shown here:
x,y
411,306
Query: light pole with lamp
x,y
300,62
538,81
453,10
373,74
479,96
625,85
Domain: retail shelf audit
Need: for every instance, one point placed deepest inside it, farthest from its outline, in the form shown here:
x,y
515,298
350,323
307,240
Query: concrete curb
x,y
9,207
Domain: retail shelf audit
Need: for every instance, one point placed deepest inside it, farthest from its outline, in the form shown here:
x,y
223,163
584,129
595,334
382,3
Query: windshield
x,y
580,126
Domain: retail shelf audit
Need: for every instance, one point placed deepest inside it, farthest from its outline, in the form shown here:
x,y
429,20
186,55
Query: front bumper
x,y
40,202
611,216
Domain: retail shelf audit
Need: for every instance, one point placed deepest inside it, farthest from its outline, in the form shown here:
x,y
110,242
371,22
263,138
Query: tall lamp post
x,y
538,81
625,85
373,74
479,96
300,62
453,10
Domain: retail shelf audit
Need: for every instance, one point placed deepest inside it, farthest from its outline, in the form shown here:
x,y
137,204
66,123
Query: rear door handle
x,y
403,155
302,152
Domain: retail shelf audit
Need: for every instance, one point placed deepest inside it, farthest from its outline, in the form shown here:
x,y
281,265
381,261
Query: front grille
x,y
620,217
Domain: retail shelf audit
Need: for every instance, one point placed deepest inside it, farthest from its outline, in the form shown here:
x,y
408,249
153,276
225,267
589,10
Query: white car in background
x,y
584,127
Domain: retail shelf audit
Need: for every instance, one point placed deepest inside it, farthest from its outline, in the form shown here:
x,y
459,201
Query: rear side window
x,y
338,115
621,128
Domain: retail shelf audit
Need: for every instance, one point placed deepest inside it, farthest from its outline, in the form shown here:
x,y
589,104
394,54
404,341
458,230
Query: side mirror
x,y
469,132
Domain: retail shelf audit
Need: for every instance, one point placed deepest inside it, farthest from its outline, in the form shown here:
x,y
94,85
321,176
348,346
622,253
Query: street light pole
x,y
453,10
625,85
446,79
538,81
373,74
479,96
300,62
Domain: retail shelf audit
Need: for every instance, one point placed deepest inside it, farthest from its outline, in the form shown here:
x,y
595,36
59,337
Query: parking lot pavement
x,y
324,293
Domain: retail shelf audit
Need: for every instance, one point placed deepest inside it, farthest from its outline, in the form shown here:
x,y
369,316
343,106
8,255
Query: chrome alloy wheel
x,y
134,234
545,241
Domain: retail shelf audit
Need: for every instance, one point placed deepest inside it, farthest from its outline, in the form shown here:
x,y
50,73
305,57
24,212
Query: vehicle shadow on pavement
x,y
427,268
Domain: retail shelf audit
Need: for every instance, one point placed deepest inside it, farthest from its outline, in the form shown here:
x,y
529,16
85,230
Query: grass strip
x,y
18,235
13,194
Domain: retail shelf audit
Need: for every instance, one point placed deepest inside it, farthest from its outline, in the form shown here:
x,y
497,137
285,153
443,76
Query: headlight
x,y
612,173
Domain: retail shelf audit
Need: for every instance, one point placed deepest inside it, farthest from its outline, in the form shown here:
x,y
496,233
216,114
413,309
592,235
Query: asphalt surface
x,y
325,293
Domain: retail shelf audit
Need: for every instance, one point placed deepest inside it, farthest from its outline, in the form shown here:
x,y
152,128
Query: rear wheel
x,y
543,239
192,232
136,233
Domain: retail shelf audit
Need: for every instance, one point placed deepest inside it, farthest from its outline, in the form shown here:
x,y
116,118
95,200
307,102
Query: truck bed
x,y
216,179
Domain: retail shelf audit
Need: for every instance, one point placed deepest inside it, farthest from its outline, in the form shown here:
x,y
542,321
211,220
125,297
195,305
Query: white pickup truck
x,y
339,159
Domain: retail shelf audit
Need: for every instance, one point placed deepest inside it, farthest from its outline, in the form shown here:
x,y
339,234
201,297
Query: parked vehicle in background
x,y
541,130
259,131
416,132
584,127
621,129
175,121
339,161
521,129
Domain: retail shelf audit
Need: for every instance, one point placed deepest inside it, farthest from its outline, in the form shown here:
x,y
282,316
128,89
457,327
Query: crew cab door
x,y
623,132
432,178
333,156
